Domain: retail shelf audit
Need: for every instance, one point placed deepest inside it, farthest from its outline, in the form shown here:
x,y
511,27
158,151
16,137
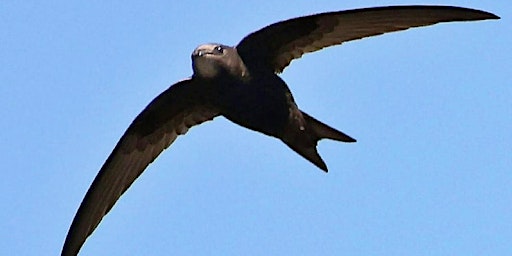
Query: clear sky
x,y
431,173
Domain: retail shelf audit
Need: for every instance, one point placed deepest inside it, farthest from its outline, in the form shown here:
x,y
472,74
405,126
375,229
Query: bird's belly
x,y
258,109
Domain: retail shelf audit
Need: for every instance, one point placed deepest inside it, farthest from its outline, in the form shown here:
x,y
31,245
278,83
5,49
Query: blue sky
x,y
431,109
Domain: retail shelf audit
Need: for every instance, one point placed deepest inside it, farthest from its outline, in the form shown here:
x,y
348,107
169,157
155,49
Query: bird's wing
x,y
275,46
170,114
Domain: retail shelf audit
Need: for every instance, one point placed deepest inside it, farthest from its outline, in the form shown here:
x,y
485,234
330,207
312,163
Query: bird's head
x,y
214,60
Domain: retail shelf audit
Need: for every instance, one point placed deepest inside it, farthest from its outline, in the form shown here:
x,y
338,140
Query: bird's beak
x,y
199,53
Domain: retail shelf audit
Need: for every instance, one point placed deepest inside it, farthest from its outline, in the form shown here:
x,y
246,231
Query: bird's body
x,y
242,84
261,104
258,100
251,98
258,103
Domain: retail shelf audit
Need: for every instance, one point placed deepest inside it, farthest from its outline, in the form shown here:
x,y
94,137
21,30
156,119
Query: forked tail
x,y
305,143
323,131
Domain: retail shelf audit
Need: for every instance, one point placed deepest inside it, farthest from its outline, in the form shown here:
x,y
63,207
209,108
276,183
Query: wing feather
x,y
172,113
275,46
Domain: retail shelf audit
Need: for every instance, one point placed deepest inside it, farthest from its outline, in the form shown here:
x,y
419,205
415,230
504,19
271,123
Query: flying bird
x,y
242,84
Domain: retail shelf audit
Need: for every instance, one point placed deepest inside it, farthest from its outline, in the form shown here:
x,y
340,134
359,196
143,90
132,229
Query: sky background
x,y
431,173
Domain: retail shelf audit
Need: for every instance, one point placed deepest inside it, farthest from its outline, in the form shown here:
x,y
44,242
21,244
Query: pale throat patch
x,y
205,67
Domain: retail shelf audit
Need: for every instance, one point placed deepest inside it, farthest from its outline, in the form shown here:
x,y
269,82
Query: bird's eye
x,y
219,49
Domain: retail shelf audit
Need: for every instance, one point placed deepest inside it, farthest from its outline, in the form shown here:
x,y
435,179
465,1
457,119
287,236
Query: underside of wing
x,y
275,46
170,114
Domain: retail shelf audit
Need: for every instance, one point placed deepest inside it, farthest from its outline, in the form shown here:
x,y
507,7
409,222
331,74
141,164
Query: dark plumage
x,y
241,84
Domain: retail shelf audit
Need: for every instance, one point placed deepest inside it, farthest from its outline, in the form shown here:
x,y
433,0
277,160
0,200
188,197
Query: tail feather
x,y
311,154
324,131
305,143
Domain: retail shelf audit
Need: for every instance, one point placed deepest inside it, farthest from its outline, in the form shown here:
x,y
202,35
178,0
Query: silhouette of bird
x,y
241,84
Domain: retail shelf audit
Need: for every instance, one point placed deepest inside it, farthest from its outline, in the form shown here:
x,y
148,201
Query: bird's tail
x,y
305,145
323,131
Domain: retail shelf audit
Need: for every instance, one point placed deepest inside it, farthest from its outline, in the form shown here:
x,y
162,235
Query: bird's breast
x,y
259,104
